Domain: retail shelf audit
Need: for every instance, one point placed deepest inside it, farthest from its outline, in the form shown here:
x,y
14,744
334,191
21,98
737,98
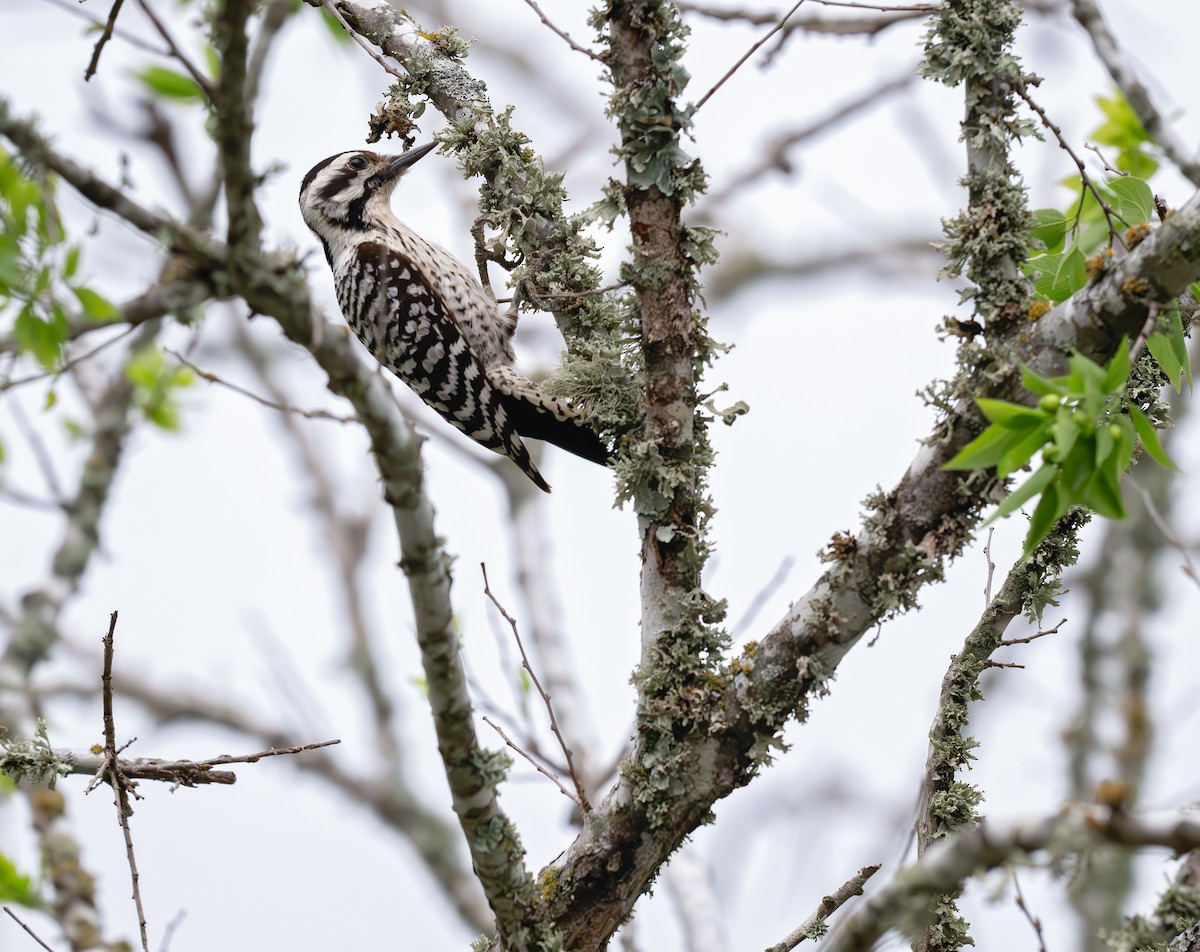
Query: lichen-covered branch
x,y
274,285
233,126
947,803
950,862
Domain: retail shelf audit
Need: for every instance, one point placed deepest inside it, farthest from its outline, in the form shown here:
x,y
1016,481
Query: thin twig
x,y
1148,326
121,785
269,752
828,906
171,929
371,52
763,595
540,769
1189,569
1034,921
34,935
1035,636
271,404
197,77
68,365
750,52
72,7
562,33
1100,155
1109,212
104,38
582,800
991,568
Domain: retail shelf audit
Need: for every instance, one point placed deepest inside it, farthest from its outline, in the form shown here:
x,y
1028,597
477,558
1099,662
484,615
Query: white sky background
x,y
214,561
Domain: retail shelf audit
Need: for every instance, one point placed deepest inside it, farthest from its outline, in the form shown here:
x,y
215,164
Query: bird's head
x,y
351,190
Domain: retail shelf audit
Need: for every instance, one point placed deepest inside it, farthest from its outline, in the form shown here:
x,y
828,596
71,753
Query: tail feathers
x,y
539,422
519,454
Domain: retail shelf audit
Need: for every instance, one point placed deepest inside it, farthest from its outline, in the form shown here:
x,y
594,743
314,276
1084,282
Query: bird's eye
x,y
357,163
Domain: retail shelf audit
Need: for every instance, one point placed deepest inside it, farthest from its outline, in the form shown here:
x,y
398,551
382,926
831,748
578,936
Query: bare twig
x,y
72,7
582,799
197,77
33,935
121,784
171,929
67,365
104,38
811,928
263,401
763,595
1109,212
1189,568
1148,326
540,769
1034,921
773,154
371,51
1035,636
570,42
1108,167
991,568
750,52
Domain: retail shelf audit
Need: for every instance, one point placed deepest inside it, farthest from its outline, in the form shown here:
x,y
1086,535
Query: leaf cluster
x,y
1063,239
156,385
39,268
1085,440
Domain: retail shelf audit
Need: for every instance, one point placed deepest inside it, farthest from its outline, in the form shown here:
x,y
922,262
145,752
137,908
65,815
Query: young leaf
x,y
1049,226
1022,452
170,85
1149,437
96,306
1061,275
985,450
41,338
1026,491
1011,416
1135,200
1043,386
1050,508
1164,355
1117,371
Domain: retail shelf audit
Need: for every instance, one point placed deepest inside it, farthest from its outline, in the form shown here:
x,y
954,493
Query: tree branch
x,y
950,862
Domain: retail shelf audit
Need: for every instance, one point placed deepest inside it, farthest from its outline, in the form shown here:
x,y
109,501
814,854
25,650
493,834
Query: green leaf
x,y
985,450
1022,452
1066,431
1049,226
1061,275
1050,508
1011,416
95,306
1026,491
1149,436
170,84
71,264
1117,371
16,888
1042,386
1135,200
1164,355
41,338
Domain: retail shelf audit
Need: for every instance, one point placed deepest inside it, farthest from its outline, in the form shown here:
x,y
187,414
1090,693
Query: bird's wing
x,y
409,329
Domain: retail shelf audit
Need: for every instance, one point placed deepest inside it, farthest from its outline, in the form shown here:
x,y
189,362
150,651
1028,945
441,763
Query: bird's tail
x,y
536,420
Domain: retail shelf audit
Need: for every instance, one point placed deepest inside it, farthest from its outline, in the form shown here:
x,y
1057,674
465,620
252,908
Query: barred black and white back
x,y
423,315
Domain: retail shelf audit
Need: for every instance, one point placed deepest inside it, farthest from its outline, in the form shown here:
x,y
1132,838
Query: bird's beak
x,y
396,166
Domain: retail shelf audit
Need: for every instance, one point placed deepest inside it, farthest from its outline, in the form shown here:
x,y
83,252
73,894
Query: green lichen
x,y
31,759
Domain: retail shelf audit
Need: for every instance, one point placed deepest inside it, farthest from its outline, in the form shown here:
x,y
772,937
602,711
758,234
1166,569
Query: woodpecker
x,y
425,317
